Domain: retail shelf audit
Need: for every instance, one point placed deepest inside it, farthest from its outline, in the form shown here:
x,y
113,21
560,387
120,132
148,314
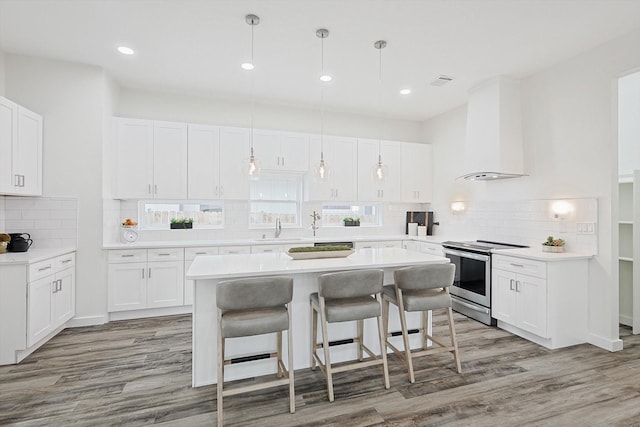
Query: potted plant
x,y
351,222
553,245
181,223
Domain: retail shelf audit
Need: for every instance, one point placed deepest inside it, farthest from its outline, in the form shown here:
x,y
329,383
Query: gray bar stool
x,y
421,288
255,306
347,296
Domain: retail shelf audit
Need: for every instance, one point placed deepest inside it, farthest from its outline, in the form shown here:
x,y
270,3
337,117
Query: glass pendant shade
x,y
379,171
321,172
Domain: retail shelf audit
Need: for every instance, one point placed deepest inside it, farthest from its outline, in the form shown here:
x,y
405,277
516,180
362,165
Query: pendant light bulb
x,y
253,165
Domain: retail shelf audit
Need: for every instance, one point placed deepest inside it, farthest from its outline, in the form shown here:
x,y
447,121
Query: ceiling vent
x,y
441,81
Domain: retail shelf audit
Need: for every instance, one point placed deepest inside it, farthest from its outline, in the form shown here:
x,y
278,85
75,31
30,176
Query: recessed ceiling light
x,y
247,66
405,91
325,78
125,50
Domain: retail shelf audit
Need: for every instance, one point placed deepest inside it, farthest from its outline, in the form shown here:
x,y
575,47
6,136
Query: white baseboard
x,y
150,312
625,320
78,322
605,343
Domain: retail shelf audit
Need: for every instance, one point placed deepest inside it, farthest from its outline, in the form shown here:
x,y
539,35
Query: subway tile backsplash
x,y
51,222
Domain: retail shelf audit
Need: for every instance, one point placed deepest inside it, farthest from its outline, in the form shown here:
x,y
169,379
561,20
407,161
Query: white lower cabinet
x,y
141,278
543,301
36,301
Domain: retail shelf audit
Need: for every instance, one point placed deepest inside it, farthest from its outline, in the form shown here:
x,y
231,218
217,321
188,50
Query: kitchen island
x,y
207,271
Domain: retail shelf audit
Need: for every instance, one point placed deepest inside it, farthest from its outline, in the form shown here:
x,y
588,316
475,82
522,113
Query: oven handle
x,y
465,254
472,307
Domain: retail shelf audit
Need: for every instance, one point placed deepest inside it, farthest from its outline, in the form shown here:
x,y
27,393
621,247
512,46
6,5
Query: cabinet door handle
x,y
55,286
216,192
16,180
155,189
511,284
59,284
149,188
143,272
516,265
283,161
149,272
517,286
48,267
222,190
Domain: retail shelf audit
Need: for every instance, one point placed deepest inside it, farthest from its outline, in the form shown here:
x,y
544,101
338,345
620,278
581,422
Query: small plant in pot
x,y
553,245
181,223
351,222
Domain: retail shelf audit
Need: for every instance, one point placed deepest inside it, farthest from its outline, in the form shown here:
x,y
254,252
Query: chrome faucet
x,y
278,227
314,225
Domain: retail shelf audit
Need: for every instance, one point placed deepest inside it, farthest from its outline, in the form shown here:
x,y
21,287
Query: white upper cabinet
x,y
369,189
21,147
281,151
203,174
417,170
169,160
341,158
151,158
234,157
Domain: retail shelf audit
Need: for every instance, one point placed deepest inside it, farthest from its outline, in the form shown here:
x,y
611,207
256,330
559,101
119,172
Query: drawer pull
x,y
127,256
516,265
65,261
201,253
45,268
164,254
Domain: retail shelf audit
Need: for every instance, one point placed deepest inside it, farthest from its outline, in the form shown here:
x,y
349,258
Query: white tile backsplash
x,y
51,222
526,222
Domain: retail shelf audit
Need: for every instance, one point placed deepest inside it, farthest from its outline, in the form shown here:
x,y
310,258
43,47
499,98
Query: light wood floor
x,y
139,373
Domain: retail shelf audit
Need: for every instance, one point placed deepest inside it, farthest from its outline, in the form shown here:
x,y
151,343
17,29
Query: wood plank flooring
x,y
138,373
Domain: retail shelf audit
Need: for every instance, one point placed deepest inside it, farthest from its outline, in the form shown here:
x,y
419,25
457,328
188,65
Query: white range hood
x,y
493,148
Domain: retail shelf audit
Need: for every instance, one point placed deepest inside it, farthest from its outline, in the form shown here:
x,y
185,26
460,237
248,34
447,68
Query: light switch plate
x,y
586,227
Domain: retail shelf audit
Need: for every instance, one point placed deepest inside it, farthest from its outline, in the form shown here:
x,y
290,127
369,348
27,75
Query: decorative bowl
x,y
320,254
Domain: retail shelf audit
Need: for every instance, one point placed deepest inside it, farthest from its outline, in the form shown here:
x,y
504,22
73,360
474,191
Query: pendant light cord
x,y
251,88
322,103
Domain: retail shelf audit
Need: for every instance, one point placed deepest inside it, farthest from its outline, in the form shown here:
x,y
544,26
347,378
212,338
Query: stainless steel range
x,y
471,290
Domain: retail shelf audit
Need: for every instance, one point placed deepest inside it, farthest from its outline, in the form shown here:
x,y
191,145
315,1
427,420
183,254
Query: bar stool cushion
x,y
345,309
419,300
243,323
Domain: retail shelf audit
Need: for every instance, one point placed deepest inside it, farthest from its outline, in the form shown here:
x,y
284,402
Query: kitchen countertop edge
x,y
33,255
538,255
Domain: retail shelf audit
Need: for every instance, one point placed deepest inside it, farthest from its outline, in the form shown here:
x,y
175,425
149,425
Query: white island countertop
x,y
538,255
33,255
267,264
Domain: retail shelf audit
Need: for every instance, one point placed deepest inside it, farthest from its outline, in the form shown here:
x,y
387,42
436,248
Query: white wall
x,y
71,99
629,124
2,73
570,149
193,109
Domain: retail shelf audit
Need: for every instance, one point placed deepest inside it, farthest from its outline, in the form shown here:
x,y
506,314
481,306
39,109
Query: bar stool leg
x,y
383,347
280,372
425,337
385,321
360,339
220,374
292,395
454,341
405,336
314,336
325,346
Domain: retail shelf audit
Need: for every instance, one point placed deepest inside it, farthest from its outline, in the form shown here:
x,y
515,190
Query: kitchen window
x,y
158,215
274,196
333,215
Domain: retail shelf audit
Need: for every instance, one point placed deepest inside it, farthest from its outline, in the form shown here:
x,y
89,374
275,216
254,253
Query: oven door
x,y
473,276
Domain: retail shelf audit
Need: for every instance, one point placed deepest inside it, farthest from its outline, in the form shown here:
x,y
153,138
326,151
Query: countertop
x,y
33,255
537,254
268,264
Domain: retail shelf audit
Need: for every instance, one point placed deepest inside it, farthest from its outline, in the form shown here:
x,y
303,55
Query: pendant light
x,y
252,164
322,171
379,170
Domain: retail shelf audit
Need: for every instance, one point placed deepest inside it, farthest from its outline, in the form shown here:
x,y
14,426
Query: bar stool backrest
x,y
251,293
425,276
350,284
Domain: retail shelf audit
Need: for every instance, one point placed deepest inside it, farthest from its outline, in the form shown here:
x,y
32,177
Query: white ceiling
x,y
197,46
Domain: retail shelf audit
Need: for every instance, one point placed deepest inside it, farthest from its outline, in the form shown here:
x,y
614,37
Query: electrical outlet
x,y
586,227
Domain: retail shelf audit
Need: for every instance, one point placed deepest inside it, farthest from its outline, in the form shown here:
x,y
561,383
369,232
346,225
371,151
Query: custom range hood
x,y
493,148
